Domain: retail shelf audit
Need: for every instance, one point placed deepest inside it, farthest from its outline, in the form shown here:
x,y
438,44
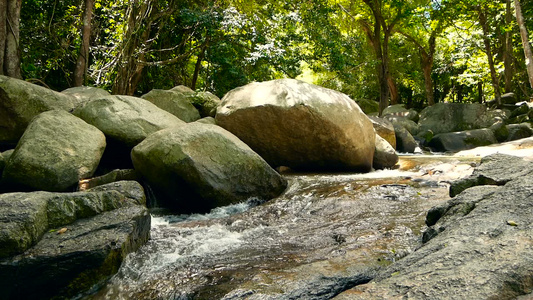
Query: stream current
x,y
325,234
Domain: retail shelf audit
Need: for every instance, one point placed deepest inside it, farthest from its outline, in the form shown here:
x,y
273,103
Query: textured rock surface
x,y
20,101
479,248
385,156
400,111
198,167
384,129
519,131
495,169
175,103
25,217
299,125
56,151
64,243
453,117
463,140
205,102
87,253
86,93
126,119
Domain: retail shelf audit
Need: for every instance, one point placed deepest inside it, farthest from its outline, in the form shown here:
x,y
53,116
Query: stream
x,y
325,234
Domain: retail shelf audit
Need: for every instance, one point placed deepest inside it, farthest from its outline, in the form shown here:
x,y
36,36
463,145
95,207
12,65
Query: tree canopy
x,y
416,52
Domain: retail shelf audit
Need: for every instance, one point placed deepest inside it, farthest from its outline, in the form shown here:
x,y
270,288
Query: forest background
x,y
416,52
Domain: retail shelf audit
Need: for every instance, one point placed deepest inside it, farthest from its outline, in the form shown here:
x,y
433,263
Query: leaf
x,y
62,230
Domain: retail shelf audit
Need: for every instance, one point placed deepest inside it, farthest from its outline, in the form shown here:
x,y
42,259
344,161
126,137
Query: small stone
x,y
62,230
511,223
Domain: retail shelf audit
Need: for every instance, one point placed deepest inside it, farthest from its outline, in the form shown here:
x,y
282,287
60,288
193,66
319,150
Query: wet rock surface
x,y
325,234
480,249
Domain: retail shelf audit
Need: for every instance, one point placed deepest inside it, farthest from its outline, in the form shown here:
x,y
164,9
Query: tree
x,y
83,58
10,37
525,41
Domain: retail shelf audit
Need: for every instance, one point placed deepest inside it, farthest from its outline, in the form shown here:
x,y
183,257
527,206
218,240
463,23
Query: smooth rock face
x,y
86,93
126,119
61,244
198,167
384,129
299,125
56,151
385,156
480,249
25,217
495,169
20,101
453,117
463,140
175,103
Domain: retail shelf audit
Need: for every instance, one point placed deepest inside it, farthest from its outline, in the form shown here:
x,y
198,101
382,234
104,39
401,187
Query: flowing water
x,y
326,233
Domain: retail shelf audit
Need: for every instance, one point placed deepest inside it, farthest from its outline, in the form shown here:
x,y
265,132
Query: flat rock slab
x,y
87,253
481,249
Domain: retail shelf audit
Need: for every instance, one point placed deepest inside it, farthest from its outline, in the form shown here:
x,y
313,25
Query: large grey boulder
x,y
479,248
299,125
175,103
385,129
519,131
385,156
463,140
20,101
495,169
26,217
56,151
404,122
198,167
86,93
453,117
399,110
368,106
126,119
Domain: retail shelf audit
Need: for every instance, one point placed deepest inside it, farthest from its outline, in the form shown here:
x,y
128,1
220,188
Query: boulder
x,y
197,167
26,217
508,98
453,117
500,130
175,103
368,106
299,125
480,248
384,129
463,140
385,156
405,142
399,110
521,109
495,169
86,93
410,125
126,119
55,152
208,120
20,101
89,252
113,176
206,103
519,131
2,164
182,89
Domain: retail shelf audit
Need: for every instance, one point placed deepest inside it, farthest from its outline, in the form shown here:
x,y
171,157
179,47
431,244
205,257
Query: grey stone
x,y
208,120
519,131
405,142
399,110
299,125
175,103
463,140
384,129
404,122
385,156
56,151
198,167
126,119
86,93
368,106
205,102
20,101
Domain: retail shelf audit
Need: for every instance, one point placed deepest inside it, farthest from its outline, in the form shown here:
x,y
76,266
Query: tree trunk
x,y
198,65
525,41
480,91
83,59
12,53
488,50
507,54
393,90
3,33
427,66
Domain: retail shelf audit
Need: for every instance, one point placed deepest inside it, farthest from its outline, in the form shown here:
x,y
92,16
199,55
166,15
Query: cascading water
x,y
325,234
